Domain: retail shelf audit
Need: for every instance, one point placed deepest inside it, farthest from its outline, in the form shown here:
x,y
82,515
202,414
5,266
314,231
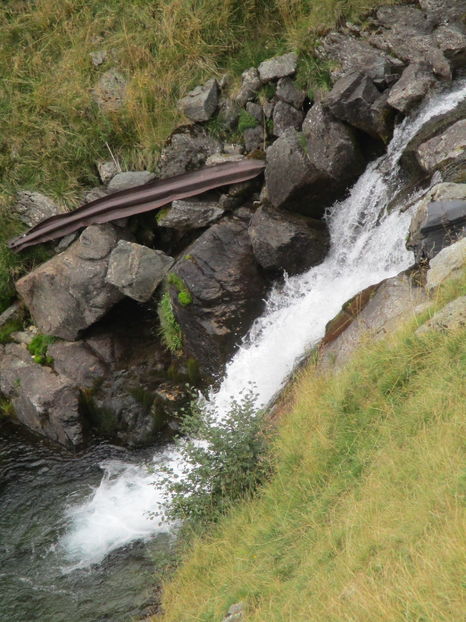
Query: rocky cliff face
x,y
212,259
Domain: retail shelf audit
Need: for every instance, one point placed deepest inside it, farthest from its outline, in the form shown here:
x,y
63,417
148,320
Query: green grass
x,y
363,519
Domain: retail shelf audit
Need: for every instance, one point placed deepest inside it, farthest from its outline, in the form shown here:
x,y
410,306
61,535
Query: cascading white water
x,y
367,246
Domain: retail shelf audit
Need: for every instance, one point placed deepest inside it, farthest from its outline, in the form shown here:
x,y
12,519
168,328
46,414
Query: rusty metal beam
x,y
137,200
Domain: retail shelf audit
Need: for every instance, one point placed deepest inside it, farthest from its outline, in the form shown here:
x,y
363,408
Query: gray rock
x,y
33,207
286,116
23,337
110,91
451,317
107,169
129,179
43,401
250,86
255,110
253,138
228,114
409,18
137,270
75,360
187,149
99,57
268,109
278,67
451,39
448,264
222,158
13,312
65,242
444,10
235,613
356,100
415,82
445,152
189,214
68,293
288,92
200,103
226,288
445,223
282,241
94,193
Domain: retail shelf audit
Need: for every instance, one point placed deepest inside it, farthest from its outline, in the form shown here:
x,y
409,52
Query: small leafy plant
x,y
38,348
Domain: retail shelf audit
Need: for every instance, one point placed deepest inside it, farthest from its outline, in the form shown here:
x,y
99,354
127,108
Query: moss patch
x,y
170,330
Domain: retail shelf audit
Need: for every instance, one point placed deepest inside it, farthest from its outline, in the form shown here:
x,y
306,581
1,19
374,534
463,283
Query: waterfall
x,y
367,246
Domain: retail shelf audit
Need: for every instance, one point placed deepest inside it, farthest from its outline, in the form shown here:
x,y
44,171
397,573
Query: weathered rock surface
x,y
282,241
32,207
451,317
189,214
288,92
235,613
13,312
78,362
43,401
110,91
186,150
250,86
200,103
286,116
226,288
447,264
451,39
69,293
444,10
278,67
107,170
415,82
356,100
253,138
444,224
445,152
129,179
137,270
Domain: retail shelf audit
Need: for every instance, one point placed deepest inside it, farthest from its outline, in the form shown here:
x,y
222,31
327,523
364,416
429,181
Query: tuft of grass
x,y
170,331
364,516
246,121
38,348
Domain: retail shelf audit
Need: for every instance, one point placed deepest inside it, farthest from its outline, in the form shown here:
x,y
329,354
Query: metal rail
x,y
137,200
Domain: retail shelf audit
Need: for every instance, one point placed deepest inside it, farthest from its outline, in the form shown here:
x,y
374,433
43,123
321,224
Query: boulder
x,y
288,92
444,10
348,53
129,179
187,149
33,207
445,152
415,82
200,103
69,292
43,401
253,138
451,39
286,116
356,100
107,169
187,214
447,264
250,86
78,362
278,67
282,241
451,317
137,270
225,288
110,91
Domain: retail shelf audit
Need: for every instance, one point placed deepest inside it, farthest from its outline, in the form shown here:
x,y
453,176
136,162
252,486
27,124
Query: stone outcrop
x,y
32,207
200,103
282,241
137,270
69,292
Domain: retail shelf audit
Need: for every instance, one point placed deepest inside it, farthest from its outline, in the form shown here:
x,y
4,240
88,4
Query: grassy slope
x,y
51,131
363,520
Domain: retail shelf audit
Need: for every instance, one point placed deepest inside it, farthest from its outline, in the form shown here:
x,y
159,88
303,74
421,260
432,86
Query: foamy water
x,y
367,246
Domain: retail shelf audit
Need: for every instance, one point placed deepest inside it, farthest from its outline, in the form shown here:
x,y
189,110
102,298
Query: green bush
x,y
38,348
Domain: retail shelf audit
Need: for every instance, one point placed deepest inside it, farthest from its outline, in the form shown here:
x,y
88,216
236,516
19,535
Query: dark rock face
x,y
186,150
226,288
282,241
78,362
444,223
356,100
43,401
69,292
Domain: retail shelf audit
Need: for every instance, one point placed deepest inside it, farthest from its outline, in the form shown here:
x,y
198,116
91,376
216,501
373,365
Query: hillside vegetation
x,y
364,518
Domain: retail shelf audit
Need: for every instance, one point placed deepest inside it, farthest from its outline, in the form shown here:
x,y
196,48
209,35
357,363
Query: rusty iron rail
x,y
138,200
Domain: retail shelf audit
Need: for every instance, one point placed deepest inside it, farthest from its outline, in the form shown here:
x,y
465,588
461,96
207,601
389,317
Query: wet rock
x,y
253,138
278,67
226,290
129,179
110,90
137,270
33,207
200,103
186,150
447,264
356,100
107,170
445,152
451,317
286,116
451,39
69,293
282,241
288,92
415,82
189,214
250,86
43,401
77,361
